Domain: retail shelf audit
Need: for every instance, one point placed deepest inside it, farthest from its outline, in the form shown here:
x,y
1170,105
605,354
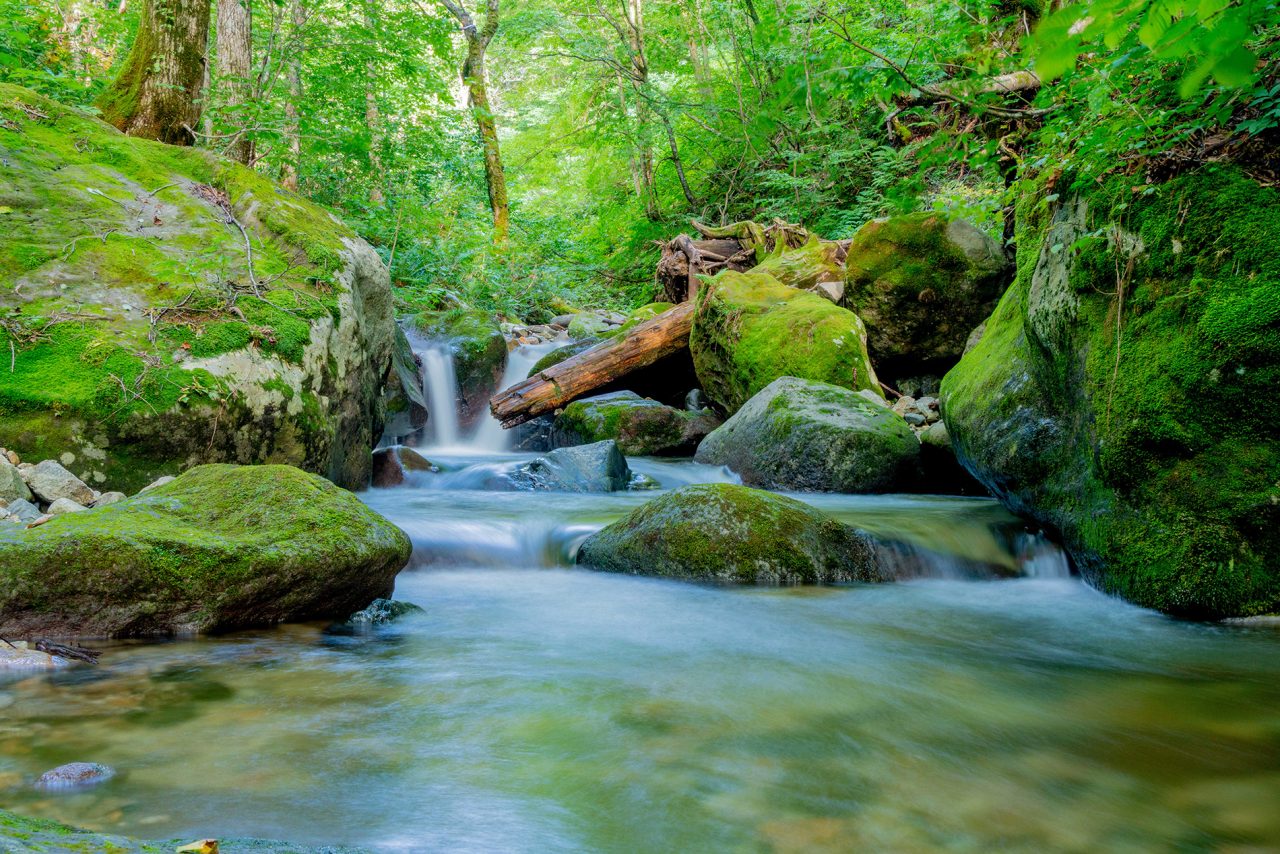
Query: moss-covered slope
x,y
1124,390
160,306
220,547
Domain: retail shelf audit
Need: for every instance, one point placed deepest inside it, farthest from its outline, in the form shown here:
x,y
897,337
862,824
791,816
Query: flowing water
x,y
541,707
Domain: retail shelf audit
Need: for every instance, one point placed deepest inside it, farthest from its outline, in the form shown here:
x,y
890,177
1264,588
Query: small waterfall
x,y
489,435
440,387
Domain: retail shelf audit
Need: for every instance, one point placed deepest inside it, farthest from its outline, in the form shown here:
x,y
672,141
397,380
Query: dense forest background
x,y
613,123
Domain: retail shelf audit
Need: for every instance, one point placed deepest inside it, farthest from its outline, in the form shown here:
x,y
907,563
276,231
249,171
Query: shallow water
x,y
538,707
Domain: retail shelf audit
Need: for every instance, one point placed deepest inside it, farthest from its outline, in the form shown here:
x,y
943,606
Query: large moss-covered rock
x,y
479,354
640,425
921,283
750,329
815,437
143,338
732,534
806,266
220,547
1123,391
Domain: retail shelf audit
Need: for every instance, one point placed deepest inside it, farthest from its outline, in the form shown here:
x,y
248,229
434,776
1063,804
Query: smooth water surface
x,y
541,707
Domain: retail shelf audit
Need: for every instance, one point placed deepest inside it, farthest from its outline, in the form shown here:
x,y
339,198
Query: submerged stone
x,y
75,775
732,534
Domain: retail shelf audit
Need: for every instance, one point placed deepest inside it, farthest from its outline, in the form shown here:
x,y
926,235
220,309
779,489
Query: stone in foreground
x,y
815,437
641,426
725,533
75,775
219,548
599,467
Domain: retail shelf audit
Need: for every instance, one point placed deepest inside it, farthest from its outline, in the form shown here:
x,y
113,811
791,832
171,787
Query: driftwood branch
x,y
576,377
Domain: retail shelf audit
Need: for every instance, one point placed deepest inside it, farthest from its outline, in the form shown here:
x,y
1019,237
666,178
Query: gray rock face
x,y
50,481
12,486
22,511
160,481
599,467
814,437
109,498
64,505
75,775
731,534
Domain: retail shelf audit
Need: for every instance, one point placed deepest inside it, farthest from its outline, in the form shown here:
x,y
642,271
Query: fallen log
x,y
576,377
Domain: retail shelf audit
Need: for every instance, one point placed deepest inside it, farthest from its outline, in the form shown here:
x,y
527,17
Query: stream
x,y
536,706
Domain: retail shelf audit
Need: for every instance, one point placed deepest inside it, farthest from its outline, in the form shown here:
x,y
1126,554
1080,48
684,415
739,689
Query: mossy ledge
x,y
22,835
221,547
1123,391
145,331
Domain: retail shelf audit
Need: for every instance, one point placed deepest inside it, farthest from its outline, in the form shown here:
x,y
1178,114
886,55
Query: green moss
x,y
750,329
1145,435
640,315
640,426
806,266
559,354
729,534
219,547
478,345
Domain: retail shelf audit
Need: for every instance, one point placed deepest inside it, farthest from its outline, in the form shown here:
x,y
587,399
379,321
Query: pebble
x,y
75,775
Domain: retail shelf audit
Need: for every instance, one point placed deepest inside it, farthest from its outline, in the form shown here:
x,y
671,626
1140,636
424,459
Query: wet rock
x,y
12,486
22,511
253,545
50,481
19,656
392,465
75,775
382,611
479,355
599,467
811,436
562,320
732,534
641,426
64,505
587,326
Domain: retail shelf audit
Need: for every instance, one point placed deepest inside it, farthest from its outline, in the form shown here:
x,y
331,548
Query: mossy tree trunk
x,y
157,95
473,75
235,64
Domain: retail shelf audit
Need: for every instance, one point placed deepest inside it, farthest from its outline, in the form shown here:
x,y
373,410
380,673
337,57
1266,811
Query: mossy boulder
x,y
1122,393
921,283
749,329
479,354
641,315
587,325
816,437
731,534
148,332
221,547
806,266
640,425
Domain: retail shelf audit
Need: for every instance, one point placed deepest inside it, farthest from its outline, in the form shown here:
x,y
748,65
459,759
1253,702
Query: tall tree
x,y
292,124
473,75
235,61
157,95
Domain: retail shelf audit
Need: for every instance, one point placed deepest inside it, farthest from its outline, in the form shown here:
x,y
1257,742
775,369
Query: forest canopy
x,y
599,128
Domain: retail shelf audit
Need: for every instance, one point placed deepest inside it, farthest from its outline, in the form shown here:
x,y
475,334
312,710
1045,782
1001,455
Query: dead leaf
x,y
202,846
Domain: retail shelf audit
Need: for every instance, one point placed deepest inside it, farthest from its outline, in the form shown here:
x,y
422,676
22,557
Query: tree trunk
x,y
235,63
292,128
574,377
474,77
157,95
373,119
675,159
640,79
